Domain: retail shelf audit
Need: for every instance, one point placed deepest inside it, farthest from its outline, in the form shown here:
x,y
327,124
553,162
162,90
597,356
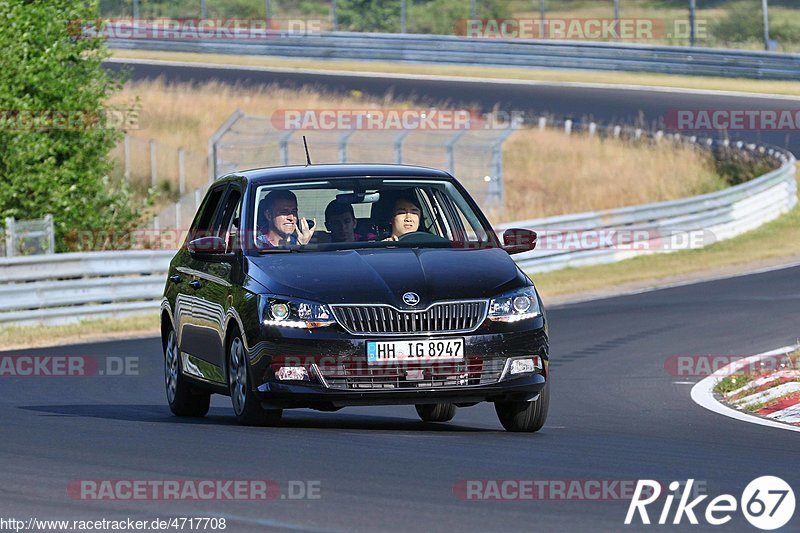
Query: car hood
x,y
383,276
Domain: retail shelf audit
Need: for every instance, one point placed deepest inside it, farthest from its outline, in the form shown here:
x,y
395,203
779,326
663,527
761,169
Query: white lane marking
x,y
459,79
703,394
769,394
790,415
756,383
675,284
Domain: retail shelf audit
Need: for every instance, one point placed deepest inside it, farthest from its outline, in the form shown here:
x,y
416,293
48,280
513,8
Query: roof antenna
x,y
308,157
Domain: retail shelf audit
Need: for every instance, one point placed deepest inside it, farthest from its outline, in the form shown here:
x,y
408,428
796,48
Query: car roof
x,y
341,170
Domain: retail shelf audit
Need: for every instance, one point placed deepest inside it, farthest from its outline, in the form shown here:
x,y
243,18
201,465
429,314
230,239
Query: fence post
x,y
398,146
592,129
284,147
343,145
542,123
153,175
567,127
10,236
51,234
181,171
197,200
450,147
178,214
127,149
496,192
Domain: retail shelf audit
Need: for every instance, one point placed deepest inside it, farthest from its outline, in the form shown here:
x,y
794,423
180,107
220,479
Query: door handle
x,y
194,284
175,279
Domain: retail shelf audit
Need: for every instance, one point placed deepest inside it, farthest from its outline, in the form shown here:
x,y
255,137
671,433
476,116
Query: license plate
x,y
415,351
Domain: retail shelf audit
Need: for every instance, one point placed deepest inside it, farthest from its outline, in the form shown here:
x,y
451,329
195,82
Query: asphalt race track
x,y
616,414
614,104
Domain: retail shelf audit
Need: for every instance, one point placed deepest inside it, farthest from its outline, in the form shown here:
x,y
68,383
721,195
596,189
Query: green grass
x,y
731,383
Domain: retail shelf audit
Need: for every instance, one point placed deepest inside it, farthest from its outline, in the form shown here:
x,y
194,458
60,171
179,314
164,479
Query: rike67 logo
x,y
767,503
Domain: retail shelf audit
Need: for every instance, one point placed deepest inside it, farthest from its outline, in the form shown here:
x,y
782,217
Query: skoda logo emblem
x,y
411,298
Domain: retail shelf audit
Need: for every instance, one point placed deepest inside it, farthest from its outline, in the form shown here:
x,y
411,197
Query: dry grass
x,y
22,337
546,172
549,174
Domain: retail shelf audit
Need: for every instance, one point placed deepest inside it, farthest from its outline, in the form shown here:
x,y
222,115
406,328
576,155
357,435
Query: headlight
x,y
291,313
515,305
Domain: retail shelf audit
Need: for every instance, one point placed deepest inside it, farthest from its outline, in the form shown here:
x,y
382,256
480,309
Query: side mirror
x,y
207,245
518,240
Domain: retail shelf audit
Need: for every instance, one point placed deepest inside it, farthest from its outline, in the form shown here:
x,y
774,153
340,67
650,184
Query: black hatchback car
x,y
406,296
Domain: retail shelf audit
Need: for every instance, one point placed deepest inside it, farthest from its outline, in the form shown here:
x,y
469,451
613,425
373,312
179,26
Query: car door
x,y
213,285
191,337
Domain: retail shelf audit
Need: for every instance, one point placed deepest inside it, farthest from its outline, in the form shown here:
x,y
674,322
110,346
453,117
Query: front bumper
x,y
327,346
292,395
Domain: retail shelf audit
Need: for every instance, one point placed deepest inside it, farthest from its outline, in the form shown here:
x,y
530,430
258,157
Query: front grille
x,y
381,319
357,375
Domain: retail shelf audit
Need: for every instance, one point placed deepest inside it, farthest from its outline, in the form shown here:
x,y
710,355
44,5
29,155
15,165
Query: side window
x,y
205,217
228,223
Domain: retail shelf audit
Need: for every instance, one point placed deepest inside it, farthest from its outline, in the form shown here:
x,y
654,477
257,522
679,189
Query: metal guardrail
x,y
75,286
445,49
664,226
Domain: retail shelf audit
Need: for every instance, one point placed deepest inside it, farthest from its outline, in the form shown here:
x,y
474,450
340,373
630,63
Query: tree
x,y
369,15
55,136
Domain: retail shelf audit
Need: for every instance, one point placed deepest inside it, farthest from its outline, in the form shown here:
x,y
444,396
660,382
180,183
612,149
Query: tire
x,y
183,399
246,405
524,416
436,412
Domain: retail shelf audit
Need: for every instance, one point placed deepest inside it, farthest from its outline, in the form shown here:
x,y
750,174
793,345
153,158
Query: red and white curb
x,y
703,394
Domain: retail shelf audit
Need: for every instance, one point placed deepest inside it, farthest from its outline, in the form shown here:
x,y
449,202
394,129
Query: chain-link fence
x,y
28,237
171,170
471,152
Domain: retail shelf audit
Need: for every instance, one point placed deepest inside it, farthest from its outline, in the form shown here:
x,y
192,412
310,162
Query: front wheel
x,y
436,412
524,416
183,399
246,405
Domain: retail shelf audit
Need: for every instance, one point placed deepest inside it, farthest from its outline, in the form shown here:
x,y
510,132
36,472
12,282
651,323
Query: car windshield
x,y
351,213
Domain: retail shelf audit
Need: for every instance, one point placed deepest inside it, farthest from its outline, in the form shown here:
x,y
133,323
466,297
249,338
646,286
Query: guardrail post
x,y
153,175
403,16
181,171
10,236
50,231
334,17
